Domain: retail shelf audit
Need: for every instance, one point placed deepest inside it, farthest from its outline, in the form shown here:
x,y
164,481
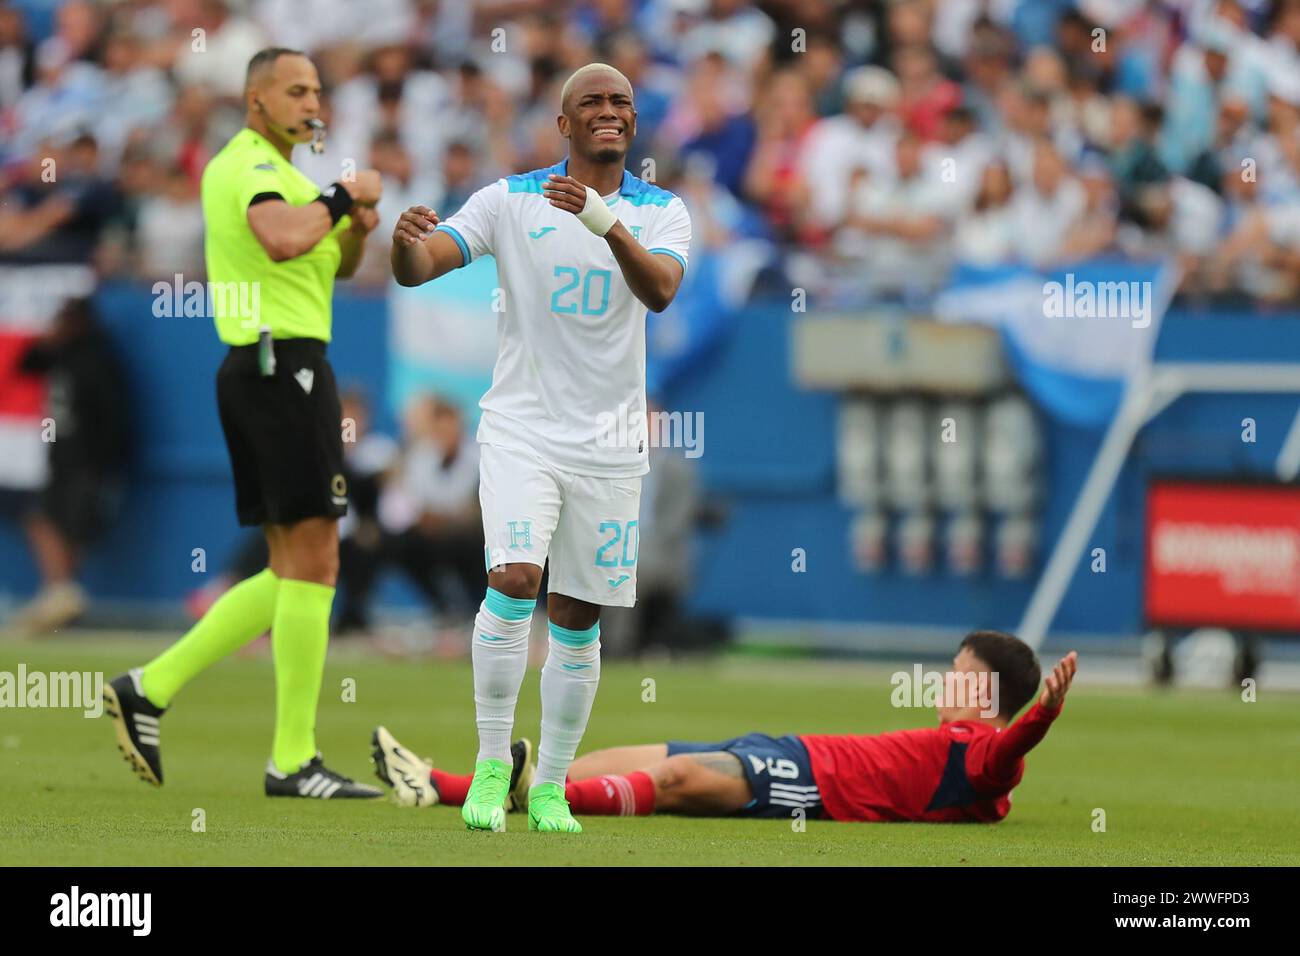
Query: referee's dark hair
x,y
262,62
1013,661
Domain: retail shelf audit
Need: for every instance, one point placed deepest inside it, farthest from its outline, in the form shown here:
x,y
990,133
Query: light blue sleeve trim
x,y
460,240
659,250
575,638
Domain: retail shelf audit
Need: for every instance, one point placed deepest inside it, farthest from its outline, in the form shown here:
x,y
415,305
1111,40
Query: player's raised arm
x,y
1002,760
420,254
1058,682
426,246
653,277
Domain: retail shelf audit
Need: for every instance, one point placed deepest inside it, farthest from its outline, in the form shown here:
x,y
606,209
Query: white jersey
x,y
569,381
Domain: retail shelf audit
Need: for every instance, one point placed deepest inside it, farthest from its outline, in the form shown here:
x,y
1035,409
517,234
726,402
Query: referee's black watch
x,y
337,200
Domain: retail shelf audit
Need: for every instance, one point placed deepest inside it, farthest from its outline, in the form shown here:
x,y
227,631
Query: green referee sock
x,y
299,636
238,616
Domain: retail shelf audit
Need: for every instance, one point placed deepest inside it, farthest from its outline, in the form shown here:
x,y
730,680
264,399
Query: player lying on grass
x,y
961,771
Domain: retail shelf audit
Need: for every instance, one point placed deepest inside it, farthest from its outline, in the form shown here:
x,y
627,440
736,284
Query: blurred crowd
x,y
875,143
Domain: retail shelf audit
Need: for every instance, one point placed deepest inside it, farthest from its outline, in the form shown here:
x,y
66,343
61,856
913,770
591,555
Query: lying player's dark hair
x,y
1013,661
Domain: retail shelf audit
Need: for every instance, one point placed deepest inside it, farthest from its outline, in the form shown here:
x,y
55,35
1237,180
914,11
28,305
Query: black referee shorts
x,y
284,434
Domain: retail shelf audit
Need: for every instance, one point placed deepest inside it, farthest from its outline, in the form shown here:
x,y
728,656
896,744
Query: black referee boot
x,y
137,725
521,775
316,781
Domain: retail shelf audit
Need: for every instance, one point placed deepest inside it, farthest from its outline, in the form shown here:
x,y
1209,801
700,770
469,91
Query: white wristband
x,y
595,215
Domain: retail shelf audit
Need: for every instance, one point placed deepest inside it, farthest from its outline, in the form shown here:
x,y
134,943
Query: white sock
x,y
569,680
500,655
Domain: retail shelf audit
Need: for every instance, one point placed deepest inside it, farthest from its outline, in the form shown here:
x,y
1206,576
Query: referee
x,y
274,246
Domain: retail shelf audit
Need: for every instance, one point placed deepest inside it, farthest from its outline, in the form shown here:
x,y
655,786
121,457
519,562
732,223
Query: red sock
x,y
627,795
452,787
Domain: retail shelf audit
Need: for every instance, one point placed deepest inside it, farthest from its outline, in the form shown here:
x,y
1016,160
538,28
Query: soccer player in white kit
x,y
583,249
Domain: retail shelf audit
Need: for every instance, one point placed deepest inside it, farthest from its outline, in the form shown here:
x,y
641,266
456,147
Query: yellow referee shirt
x,y
247,289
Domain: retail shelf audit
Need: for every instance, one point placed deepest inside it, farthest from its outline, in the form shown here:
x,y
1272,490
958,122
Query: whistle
x,y
317,135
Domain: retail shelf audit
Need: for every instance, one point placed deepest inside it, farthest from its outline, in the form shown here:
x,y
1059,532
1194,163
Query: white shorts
x,y
586,526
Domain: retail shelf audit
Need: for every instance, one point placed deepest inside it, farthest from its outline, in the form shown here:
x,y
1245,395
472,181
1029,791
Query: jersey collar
x,y
630,185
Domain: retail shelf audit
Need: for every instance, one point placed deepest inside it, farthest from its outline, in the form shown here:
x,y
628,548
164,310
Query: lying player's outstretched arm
x,y
652,277
1002,759
420,254
1058,682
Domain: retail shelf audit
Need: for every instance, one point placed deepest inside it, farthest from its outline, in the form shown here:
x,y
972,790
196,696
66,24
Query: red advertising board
x,y
1223,554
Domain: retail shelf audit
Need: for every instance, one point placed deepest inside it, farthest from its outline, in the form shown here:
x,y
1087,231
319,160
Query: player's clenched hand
x,y
565,192
414,225
1058,682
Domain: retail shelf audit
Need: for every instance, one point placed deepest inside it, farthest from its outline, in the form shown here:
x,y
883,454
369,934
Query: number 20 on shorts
x,y
606,554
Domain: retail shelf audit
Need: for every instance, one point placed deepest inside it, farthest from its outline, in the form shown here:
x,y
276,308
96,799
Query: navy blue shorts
x,y
777,769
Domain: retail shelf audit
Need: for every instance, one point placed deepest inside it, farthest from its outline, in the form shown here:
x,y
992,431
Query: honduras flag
x,y
1074,335
453,355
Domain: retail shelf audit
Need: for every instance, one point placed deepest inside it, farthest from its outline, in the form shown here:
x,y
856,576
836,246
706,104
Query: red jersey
x,y
958,772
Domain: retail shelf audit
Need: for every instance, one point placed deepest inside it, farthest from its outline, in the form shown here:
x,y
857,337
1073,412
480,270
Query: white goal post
x,y
1146,396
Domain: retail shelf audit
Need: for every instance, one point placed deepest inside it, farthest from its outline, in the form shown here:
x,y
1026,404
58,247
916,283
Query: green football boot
x,y
485,804
548,811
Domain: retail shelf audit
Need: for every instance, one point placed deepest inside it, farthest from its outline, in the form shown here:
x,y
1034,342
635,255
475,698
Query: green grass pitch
x,y
1183,777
